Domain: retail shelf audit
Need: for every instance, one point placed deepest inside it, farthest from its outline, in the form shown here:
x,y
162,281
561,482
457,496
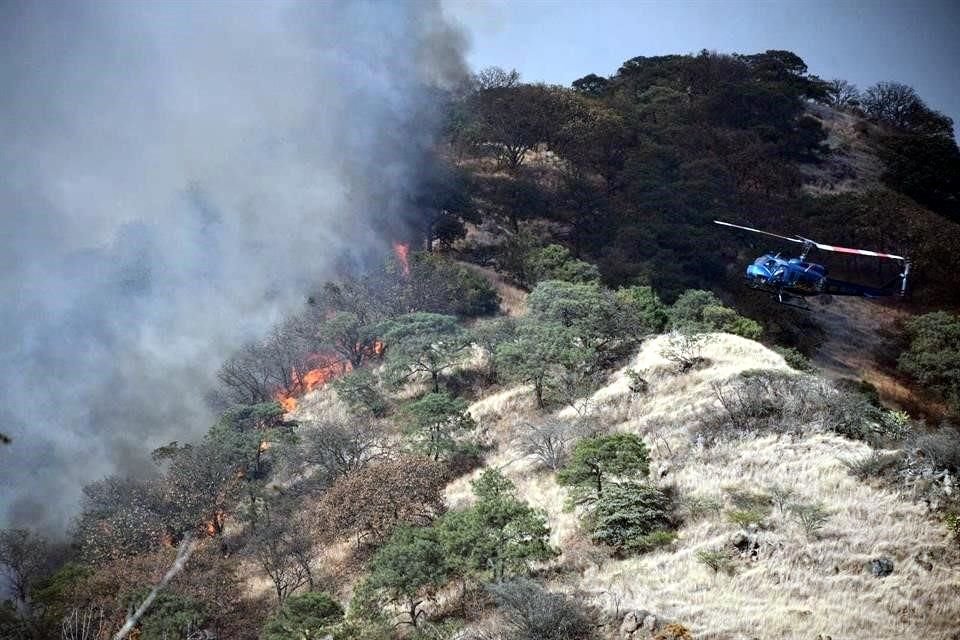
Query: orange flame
x,y
329,367
402,250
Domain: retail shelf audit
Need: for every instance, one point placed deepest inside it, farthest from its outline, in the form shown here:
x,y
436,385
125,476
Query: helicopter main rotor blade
x,y
766,233
860,252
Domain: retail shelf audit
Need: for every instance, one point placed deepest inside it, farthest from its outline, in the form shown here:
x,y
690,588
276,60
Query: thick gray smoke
x,y
173,178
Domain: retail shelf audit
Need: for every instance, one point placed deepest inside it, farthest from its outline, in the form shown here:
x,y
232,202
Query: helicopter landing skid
x,y
792,301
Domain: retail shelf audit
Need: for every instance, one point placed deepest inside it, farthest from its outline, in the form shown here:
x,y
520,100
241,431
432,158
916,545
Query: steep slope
x,y
794,587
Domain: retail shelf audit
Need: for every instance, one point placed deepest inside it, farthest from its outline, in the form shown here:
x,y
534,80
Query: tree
x,y
25,558
360,391
283,544
423,343
631,517
595,460
120,517
841,93
591,85
383,495
409,568
539,353
549,441
499,536
346,336
306,616
554,262
339,447
171,615
434,422
490,333
933,355
899,106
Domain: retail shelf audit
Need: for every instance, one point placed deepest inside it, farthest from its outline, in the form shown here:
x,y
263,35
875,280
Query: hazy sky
x,y
863,41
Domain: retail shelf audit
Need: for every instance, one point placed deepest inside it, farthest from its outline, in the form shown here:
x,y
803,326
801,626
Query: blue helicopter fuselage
x,y
791,274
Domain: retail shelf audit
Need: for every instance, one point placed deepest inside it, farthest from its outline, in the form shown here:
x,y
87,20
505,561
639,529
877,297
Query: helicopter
x,y
792,279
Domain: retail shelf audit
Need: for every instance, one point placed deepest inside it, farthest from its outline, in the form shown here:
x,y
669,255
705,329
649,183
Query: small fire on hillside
x,y
328,367
402,251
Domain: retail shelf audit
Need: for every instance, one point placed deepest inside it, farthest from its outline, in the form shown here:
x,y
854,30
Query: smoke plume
x,y
175,176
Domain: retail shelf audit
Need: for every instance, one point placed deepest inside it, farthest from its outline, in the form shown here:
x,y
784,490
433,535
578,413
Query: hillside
x,y
788,586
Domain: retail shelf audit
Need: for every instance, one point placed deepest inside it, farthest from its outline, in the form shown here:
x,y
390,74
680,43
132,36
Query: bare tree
x,y
24,558
83,624
549,441
842,93
339,447
282,547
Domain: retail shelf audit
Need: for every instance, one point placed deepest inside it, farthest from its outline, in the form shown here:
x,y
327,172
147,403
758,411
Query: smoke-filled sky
x,y
861,41
175,176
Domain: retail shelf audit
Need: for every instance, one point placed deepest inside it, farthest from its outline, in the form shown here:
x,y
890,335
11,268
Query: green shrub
x,y
952,520
716,560
810,517
795,359
305,616
747,518
360,391
933,355
596,459
631,518
554,262
170,615
701,311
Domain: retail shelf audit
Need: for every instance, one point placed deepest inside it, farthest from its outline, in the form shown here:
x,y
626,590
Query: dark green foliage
x,y
596,460
554,262
360,390
408,569
631,517
539,353
439,285
303,617
170,616
435,421
499,536
933,355
697,311
795,359
926,168
423,343
533,613
644,302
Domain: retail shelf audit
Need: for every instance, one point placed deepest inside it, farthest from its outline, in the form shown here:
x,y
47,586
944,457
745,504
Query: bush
x,y
794,359
684,350
940,448
632,518
933,355
698,311
716,560
871,465
309,615
810,517
533,613
747,518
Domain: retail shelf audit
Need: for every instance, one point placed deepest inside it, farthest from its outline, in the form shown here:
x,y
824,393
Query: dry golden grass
x,y
796,587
